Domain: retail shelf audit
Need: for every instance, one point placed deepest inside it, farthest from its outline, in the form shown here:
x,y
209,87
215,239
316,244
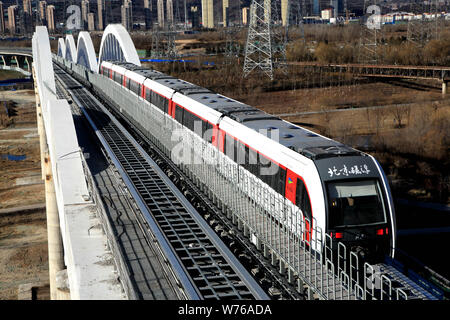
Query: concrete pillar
x,y
444,87
7,59
55,247
20,62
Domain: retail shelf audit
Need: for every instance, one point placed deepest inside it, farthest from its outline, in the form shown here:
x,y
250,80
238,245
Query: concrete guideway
x,y
69,205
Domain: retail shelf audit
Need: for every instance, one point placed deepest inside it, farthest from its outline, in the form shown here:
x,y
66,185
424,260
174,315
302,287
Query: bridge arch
x,y
85,52
117,45
71,49
61,48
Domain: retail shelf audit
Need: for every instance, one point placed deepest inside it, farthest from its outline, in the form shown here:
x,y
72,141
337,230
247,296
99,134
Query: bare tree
x,y
400,113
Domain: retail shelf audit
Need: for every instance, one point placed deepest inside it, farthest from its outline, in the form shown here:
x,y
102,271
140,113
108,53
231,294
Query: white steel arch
x,y
117,45
71,49
61,48
85,52
43,66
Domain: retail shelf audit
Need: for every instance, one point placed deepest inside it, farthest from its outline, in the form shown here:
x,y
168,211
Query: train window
x,y
165,103
266,169
280,180
207,131
302,199
128,83
355,203
192,122
148,95
229,147
253,162
240,153
135,87
197,125
159,101
118,77
187,119
179,113
247,162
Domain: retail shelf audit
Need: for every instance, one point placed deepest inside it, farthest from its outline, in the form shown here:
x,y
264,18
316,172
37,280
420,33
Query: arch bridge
x,y
17,59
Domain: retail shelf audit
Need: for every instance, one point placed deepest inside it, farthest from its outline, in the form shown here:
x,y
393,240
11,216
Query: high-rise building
x,y
160,7
245,15
316,7
51,18
12,17
27,6
101,14
284,12
207,14
91,21
127,14
225,12
169,11
147,14
195,17
338,7
2,19
84,13
43,12
27,16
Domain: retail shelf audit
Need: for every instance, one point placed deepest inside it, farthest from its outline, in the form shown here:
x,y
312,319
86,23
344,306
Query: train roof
x,y
296,138
301,140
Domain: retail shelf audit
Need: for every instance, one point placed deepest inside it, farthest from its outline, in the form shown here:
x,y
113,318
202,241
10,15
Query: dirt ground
x,y
23,234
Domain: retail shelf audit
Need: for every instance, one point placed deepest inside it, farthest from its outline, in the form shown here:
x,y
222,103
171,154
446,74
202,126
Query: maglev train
x,y
343,190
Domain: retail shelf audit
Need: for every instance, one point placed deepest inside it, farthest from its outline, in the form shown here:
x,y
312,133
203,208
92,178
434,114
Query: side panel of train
x,y
285,182
296,178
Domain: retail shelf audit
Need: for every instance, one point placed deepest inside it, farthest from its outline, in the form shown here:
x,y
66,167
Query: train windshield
x,y
355,203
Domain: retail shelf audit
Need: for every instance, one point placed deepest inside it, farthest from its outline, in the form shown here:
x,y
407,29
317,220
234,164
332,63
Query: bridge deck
x,y
201,256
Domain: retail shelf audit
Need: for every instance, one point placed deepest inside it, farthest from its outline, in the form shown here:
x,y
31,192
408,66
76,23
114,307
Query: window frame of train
x,y
148,95
134,86
179,113
189,120
381,198
160,101
115,77
241,153
302,198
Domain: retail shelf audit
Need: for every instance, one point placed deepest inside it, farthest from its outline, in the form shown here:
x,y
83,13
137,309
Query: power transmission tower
x,y
232,47
266,40
422,30
296,12
371,33
163,42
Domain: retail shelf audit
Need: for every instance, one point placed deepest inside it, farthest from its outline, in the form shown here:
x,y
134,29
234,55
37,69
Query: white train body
x,y
328,185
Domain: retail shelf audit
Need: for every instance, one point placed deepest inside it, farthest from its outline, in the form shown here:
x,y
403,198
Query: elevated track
x,y
204,266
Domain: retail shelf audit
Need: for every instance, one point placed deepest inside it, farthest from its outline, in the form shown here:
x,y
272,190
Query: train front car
x,y
358,204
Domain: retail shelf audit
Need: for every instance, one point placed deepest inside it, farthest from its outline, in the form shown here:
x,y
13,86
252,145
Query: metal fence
x,y
272,222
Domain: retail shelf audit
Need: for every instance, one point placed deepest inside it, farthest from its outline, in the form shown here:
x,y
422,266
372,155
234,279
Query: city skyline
x,y
142,14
